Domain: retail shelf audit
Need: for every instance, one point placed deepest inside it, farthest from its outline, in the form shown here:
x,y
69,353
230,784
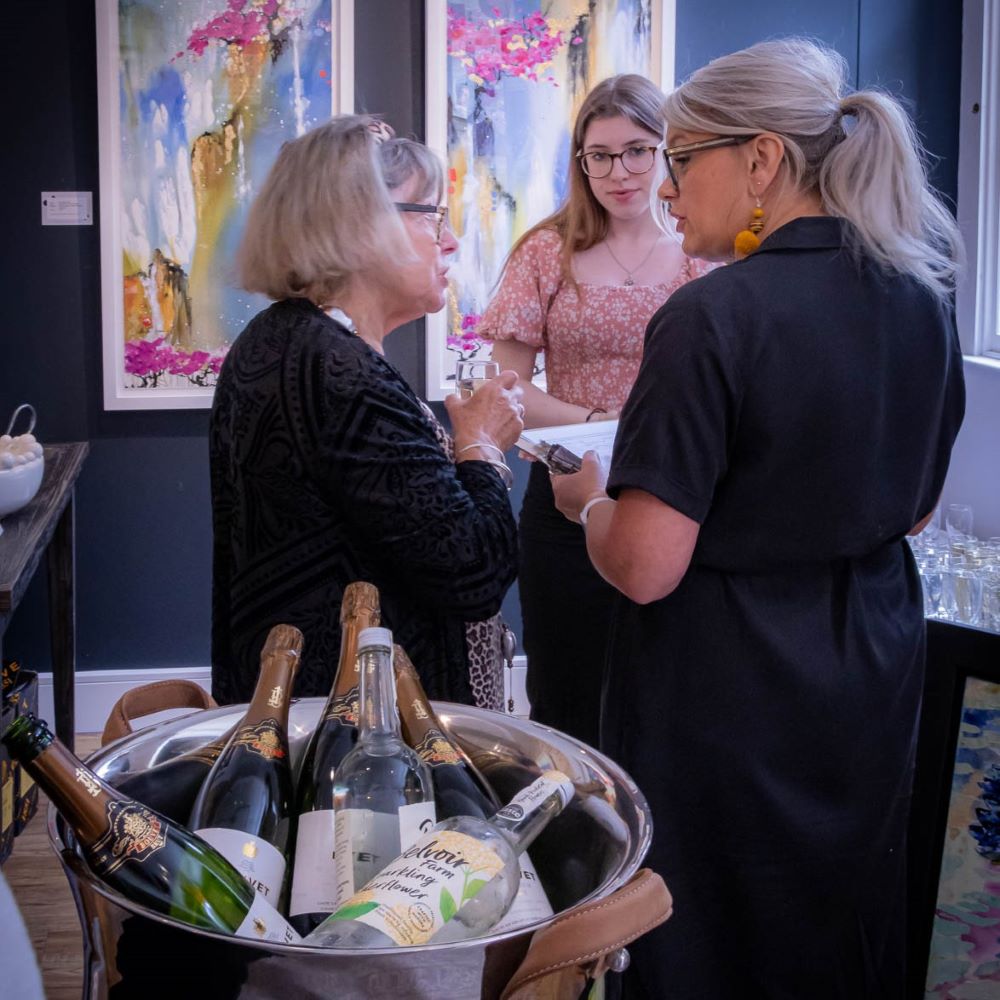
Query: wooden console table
x,y
46,526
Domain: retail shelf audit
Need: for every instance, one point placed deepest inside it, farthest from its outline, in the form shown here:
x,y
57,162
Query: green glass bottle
x,y
314,878
172,787
140,853
244,808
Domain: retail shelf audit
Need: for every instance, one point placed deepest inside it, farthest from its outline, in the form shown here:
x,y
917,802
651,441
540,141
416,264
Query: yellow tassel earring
x,y
747,240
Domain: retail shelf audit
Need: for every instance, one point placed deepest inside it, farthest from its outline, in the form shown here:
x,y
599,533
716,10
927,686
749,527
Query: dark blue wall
x,y
143,538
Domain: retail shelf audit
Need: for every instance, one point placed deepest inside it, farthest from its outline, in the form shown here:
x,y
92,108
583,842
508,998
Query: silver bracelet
x,y
480,444
585,509
504,471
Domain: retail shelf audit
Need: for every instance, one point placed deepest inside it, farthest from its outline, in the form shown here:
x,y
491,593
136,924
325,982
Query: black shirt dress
x,y
801,405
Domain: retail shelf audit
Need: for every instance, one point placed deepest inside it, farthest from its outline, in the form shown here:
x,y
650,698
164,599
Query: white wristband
x,y
585,509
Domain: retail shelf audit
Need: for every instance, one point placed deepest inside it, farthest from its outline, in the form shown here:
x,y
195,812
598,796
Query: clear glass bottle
x,y
382,794
138,852
456,882
244,808
459,789
314,875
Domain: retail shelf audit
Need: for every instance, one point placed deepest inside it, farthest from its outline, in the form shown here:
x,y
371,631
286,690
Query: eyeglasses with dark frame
x,y
635,159
677,166
441,211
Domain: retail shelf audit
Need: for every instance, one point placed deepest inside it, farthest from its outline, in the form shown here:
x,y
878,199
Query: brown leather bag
x,y
150,698
585,940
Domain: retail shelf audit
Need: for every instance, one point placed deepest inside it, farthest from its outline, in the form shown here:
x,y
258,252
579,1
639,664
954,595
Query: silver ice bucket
x,y
591,849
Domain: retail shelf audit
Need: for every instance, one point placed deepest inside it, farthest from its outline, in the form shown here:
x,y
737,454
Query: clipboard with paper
x,y
561,447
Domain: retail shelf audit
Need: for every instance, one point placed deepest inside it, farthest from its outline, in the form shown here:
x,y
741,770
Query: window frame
x,y
978,296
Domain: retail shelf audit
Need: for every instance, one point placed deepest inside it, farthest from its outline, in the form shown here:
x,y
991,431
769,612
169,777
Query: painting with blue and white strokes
x,y
207,92
517,72
965,947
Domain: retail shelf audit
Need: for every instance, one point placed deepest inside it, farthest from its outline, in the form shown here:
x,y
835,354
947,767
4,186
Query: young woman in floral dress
x,y
581,287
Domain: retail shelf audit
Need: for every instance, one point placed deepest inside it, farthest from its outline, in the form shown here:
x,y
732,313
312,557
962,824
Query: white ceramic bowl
x,y
19,485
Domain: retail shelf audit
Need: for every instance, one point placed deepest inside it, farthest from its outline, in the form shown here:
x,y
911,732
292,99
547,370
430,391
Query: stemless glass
x,y
958,520
966,598
931,571
471,374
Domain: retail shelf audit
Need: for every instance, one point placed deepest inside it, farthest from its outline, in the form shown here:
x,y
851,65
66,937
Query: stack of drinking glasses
x,y
960,572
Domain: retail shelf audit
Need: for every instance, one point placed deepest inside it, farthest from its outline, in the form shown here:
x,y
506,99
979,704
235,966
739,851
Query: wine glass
x,y
472,373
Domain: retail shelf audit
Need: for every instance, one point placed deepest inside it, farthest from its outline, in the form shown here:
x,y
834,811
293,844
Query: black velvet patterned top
x,y
325,470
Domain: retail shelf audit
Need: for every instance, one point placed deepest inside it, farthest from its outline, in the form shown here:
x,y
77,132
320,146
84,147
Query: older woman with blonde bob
x,y
326,468
791,422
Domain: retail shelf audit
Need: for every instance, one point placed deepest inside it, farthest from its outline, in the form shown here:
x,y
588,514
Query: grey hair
x,y
325,211
872,173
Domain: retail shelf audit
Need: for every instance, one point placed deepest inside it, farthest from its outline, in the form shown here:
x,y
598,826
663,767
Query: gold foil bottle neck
x,y
360,597
404,665
283,639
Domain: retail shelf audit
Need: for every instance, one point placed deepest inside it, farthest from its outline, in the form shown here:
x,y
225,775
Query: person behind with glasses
x,y
792,421
581,286
325,467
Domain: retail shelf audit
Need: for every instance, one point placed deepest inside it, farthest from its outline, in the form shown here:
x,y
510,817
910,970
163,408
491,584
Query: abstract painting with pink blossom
x,y
517,71
207,91
965,948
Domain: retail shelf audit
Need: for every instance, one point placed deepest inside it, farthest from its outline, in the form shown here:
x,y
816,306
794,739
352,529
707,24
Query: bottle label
x,y
436,749
264,923
344,708
314,876
134,833
530,905
257,860
529,799
263,739
416,895
367,841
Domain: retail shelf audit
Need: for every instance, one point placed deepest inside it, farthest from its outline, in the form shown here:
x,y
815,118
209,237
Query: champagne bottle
x,y
314,876
459,790
140,853
171,787
455,882
382,792
245,805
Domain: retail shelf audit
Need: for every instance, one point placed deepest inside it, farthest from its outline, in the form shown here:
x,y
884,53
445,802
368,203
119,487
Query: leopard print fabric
x,y
483,640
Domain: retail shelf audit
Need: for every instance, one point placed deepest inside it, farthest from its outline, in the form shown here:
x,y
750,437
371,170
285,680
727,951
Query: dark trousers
x,y
566,610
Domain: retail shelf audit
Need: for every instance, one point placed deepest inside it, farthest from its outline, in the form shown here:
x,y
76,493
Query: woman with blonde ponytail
x,y
791,423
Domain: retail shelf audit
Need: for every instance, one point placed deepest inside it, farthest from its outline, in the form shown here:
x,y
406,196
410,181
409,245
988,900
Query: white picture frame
x,y
154,281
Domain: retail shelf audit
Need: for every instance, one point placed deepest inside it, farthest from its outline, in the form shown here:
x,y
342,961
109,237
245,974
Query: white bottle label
x,y
314,876
257,860
367,841
530,904
529,799
264,923
416,895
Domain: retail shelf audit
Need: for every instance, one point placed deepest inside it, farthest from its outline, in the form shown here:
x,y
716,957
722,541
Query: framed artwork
x,y
963,957
196,98
504,81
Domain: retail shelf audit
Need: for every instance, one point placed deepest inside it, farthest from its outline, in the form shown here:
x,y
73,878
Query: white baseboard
x,y
98,690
